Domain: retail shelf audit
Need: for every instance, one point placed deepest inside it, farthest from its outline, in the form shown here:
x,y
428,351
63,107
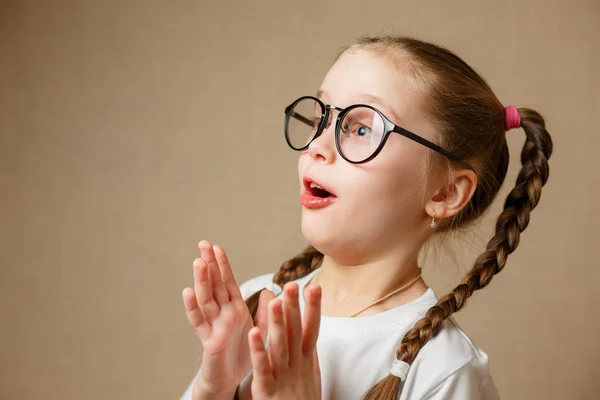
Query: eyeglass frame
x,y
389,127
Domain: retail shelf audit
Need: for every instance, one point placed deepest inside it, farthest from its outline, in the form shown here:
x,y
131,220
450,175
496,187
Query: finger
x,y
194,314
262,371
278,346
231,286
219,292
317,366
203,291
293,324
312,319
262,312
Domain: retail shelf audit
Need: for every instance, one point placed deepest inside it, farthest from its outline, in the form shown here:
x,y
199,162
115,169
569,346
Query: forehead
x,y
363,77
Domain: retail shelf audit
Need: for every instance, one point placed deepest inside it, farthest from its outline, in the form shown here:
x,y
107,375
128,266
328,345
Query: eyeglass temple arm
x,y
432,146
302,118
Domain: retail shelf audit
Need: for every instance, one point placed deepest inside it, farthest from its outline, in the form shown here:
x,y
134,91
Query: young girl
x,y
403,140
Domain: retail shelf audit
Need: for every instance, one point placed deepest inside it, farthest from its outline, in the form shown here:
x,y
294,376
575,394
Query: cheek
x,y
404,166
383,194
391,189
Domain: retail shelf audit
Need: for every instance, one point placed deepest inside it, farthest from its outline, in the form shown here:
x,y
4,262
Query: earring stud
x,y
433,223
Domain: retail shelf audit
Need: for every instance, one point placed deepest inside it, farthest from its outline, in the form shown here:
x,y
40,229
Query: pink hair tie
x,y
513,119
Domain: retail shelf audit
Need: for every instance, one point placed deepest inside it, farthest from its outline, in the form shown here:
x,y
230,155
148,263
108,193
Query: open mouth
x,y
316,190
315,195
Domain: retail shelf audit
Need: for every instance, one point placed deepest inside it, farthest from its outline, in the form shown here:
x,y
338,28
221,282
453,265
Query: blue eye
x,y
363,131
356,129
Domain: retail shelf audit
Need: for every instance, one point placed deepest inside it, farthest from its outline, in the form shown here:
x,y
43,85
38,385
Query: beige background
x,y
130,130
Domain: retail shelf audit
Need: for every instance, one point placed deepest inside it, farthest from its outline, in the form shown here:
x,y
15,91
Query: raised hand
x,y
220,319
289,369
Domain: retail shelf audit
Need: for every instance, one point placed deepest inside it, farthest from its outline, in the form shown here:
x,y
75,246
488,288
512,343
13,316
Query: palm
x,y
226,355
220,319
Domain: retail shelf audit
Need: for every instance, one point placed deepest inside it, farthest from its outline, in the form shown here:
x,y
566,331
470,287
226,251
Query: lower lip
x,y
312,202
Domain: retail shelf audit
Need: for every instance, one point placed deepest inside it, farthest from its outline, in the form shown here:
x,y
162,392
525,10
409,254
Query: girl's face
x,y
380,204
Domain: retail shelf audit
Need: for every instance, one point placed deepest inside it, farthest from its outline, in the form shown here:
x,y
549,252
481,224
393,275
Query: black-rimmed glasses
x,y
360,130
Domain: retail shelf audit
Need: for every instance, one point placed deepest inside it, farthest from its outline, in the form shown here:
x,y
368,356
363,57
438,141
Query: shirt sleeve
x,y
187,395
470,382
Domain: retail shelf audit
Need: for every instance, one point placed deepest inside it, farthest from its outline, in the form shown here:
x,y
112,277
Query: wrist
x,y
202,392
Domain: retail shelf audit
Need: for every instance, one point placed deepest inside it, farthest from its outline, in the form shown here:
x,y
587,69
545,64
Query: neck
x,y
349,288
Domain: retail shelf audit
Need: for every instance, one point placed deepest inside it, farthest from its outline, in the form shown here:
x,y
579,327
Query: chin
x,y
327,240
317,233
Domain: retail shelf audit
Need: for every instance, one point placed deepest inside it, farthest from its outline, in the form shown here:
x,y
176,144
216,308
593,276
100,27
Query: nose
x,y
322,148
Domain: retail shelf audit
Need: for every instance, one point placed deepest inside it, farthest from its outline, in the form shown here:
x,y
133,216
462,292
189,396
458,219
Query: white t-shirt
x,y
356,353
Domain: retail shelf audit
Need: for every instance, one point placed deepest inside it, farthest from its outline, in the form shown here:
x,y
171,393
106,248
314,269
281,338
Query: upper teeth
x,y
314,185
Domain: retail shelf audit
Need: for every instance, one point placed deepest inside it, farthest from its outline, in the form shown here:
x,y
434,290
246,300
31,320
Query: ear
x,y
447,201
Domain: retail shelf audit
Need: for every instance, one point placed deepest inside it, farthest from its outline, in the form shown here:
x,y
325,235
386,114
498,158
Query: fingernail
x,y
292,290
277,306
255,332
317,290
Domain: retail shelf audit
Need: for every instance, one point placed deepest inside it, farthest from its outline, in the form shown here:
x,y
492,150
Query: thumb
x,y
261,319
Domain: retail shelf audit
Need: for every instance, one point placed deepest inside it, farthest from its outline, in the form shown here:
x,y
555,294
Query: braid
x,y
301,265
511,222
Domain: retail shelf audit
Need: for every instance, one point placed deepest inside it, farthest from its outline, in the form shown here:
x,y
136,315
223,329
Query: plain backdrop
x,y
130,130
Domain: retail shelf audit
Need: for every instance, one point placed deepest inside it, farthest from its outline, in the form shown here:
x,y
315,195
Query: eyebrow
x,y
369,98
